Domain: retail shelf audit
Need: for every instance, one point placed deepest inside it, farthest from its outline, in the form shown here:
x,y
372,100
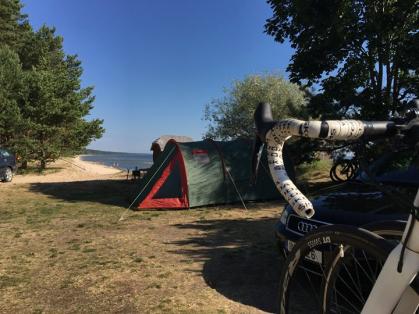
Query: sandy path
x,y
67,170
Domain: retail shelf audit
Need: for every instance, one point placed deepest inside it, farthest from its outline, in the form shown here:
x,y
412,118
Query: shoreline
x,y
123,161
69,170
95,167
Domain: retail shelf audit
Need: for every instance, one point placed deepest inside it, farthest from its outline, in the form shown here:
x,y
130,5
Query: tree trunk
x,y
43,164
395,85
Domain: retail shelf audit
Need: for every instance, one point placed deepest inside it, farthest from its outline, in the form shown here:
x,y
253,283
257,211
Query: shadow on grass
x,y
109,192
241,259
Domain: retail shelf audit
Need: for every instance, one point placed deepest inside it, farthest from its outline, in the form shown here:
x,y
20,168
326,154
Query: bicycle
x,y
344,169
359,271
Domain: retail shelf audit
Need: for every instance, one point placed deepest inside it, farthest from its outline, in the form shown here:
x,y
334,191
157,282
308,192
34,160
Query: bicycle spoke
x,y
358,279
347,310
354,293
356,285
312,288
297,291
362,268
368,264
357,310
336,298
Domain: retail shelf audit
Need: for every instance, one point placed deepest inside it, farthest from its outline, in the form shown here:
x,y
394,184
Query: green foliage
x,y
12,91
13,24
362,54
232,116
41,99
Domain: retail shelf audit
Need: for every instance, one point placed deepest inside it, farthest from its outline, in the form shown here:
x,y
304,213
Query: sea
x,y
119,160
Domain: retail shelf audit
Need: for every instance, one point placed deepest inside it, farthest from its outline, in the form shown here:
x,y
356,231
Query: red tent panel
x,y
179,202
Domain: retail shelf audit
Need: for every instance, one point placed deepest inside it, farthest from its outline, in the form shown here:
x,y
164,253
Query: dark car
x,y
380,206
7,165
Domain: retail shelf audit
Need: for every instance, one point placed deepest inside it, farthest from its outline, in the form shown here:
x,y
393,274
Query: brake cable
x,y
415,215
414,212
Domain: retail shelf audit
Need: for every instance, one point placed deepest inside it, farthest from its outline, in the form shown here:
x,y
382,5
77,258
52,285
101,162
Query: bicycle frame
x,y
391,285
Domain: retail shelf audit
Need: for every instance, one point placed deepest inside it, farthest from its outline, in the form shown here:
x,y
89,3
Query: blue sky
x,y
155,64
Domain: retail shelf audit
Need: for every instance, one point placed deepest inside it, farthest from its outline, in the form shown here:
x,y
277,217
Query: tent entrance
x,y
170,190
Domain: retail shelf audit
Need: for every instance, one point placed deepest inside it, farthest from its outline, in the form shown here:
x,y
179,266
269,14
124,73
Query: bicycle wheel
x,y
332,174
343,171
310,281
339,285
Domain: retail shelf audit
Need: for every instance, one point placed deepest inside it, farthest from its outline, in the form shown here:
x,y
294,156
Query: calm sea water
x,y
120,160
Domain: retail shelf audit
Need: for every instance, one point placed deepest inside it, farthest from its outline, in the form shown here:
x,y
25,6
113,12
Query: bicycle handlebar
x,y
276,133
326,129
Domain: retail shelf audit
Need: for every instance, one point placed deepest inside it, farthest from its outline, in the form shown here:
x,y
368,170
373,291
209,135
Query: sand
x,y
69,170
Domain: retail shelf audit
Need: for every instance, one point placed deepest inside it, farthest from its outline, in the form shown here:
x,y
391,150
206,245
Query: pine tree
x,y
43,106
12,92
56,105
13,24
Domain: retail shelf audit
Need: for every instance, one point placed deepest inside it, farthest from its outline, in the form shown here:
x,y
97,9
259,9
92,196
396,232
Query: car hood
x,y
357,204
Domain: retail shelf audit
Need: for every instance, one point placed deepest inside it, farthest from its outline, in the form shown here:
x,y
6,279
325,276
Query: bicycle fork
x,y
397,292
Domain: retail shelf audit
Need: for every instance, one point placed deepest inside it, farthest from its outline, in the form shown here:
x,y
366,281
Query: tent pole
x,y
225,170
235,187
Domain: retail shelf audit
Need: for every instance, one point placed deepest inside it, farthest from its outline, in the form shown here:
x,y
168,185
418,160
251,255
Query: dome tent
x,y
207,172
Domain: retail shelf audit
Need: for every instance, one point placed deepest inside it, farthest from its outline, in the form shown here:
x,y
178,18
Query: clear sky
x,y
156,63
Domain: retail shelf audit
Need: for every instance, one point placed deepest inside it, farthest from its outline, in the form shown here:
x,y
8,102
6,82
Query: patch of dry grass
x,y
316,171
64,251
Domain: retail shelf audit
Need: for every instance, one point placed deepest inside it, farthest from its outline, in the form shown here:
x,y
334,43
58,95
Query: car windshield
x,y
395,167
4,152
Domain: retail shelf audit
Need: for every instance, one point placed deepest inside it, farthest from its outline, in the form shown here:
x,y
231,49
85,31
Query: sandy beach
x,y
69,170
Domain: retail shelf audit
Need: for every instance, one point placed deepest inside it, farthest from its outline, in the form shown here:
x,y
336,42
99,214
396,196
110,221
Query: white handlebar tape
x,y
282,131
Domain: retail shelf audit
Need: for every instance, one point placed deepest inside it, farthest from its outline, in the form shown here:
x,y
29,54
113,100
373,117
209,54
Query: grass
x,y
67,252
64,250
316,170
33,169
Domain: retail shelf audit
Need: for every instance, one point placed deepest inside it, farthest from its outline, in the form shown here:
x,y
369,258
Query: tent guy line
x,y
145,186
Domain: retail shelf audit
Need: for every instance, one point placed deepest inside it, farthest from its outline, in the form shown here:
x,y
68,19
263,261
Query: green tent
x,y
202,173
